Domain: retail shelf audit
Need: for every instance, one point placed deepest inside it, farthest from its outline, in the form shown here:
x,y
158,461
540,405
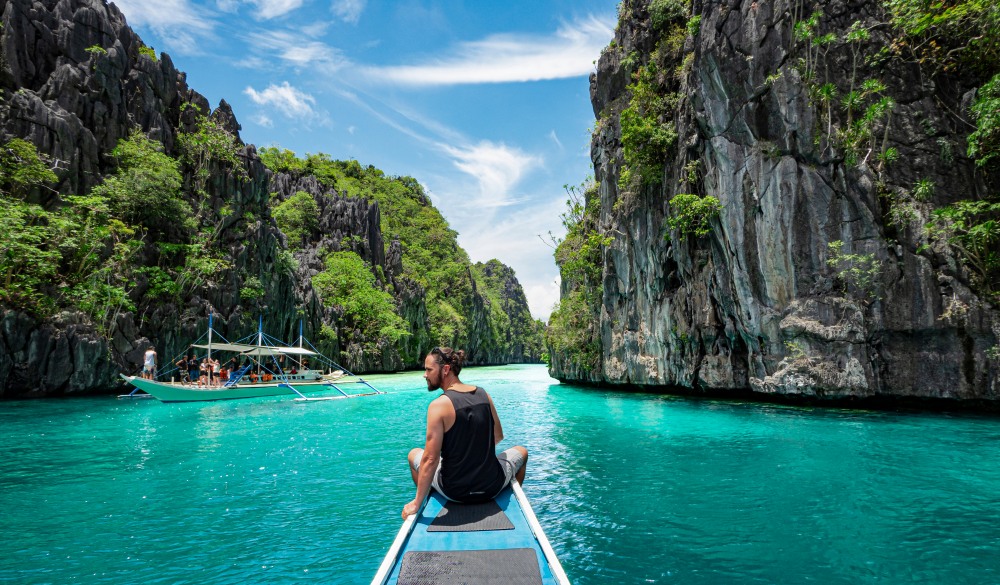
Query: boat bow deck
x,y
519,554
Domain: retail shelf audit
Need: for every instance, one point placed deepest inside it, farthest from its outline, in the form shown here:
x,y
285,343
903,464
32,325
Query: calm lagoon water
x,y
630,488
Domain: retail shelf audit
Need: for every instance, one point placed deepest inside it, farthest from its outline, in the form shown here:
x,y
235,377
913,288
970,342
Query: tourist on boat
x,y
203,373
193,371
459,457
149,363
216,368
182,365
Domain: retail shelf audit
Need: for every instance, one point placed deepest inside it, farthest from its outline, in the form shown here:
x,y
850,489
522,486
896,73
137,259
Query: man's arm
x,y
431,457
497,427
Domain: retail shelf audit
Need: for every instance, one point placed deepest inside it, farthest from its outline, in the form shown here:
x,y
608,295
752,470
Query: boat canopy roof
x,y
240,347
264,350
247,349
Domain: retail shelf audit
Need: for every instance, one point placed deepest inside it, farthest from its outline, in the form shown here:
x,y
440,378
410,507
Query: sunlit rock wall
x,y
754,306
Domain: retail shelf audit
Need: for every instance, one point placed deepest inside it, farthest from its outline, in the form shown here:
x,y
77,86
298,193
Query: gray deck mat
x,y
515,566
455,517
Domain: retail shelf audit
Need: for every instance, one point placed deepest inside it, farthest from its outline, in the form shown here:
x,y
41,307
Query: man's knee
x,y
414,456
523,451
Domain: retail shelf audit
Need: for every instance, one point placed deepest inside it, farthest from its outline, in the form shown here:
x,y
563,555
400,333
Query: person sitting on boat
x,y
459,457
149,364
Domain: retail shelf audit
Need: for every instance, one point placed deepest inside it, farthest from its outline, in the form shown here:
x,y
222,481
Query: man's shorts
x,y
149,369
511,461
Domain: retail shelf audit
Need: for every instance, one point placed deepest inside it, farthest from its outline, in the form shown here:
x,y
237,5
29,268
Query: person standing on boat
x,y
459,457
193,371
149,364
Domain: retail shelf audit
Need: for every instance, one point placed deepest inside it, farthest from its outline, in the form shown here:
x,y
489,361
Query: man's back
x,y
470,471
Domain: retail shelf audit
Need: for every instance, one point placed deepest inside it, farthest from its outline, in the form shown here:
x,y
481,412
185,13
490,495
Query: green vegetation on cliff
x,y
455,291
573,335
93,252
348,283
298,218
961,38
78,254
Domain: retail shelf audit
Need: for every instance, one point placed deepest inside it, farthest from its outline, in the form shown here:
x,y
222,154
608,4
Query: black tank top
x,y
470,471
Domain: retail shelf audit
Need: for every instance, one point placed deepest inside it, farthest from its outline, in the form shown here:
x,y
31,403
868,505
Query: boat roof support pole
x,y
210,335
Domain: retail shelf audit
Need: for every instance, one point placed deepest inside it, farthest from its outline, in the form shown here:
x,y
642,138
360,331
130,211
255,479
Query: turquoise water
x,y
630,488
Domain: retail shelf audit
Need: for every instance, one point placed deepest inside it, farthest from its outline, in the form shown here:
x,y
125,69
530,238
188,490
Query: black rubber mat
x,y
515,566
455,517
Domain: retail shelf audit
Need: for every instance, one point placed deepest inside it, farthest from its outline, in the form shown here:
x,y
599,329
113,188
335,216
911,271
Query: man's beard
x,y
432,386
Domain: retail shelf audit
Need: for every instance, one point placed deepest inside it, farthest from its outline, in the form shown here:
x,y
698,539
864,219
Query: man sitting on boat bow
x,y
459,457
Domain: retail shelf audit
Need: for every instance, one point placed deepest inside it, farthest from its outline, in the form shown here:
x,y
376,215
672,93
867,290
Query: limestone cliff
x,y
753,304
74,80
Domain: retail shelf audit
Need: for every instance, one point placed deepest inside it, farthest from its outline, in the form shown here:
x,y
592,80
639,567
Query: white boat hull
x,y
176,392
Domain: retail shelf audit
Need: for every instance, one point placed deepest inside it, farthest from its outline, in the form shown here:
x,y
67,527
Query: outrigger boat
x,y
268,368
496,542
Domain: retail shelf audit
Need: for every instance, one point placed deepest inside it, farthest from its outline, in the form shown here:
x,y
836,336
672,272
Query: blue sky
x,y
487,104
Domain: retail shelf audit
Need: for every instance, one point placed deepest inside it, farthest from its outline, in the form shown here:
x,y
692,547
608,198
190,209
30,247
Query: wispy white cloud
x,y
497,168
177,20
555,138
348,10
251,62
569,52
316,29
288,100
292,48
268,9
264,120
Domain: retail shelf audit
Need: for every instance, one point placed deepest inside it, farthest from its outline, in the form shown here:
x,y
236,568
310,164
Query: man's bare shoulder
x,y
439,405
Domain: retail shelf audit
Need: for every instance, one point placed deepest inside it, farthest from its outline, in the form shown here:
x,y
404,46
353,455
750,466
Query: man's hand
x,y
410,509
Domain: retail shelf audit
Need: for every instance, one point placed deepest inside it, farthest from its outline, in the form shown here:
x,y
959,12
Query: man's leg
x,y
414,460
520,472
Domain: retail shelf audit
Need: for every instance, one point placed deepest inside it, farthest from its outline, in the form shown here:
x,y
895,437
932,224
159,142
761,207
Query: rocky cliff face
x,y
517,328
754,305
75,80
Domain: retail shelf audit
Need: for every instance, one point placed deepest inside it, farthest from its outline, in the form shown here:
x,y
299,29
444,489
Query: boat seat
x,y
513,566
456,517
